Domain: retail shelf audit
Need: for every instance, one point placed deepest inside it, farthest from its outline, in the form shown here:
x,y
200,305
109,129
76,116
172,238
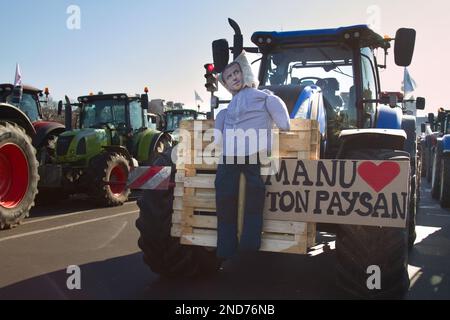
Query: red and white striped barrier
x,y
150,178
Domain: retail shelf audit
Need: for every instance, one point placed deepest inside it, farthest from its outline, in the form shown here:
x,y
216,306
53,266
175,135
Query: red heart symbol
x,y
379,176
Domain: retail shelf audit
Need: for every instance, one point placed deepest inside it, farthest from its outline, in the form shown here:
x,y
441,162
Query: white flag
x,y
409,85
197,97
18,77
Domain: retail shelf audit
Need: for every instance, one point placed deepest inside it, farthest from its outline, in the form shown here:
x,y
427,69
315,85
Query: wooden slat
x,y
203,181
199,202
177,216
178,203
284,227
189,124
311,241
210,240
176,230
273,226
179,190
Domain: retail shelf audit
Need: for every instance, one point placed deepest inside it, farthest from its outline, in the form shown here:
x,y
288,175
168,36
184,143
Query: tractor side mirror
x,y
60,106
221,54
431,118
144,101
405,40
420,103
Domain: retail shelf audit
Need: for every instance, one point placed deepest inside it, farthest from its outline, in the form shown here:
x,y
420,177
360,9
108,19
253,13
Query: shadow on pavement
x,y
252,276
432,256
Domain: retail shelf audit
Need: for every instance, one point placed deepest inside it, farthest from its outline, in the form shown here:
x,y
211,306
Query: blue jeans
x,y
227,194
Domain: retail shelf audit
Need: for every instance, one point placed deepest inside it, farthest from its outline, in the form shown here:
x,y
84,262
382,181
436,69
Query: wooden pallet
x,y
194,219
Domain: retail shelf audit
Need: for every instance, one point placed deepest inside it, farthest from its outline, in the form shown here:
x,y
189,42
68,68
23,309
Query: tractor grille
x,y
63,144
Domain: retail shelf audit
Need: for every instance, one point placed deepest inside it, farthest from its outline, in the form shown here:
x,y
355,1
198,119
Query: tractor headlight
x,y
81,148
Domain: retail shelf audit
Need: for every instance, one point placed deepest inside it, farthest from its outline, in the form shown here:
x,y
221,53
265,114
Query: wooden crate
x,y
194,219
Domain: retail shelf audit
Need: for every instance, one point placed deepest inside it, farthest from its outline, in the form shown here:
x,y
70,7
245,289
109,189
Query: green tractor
x,y
112,138
175,116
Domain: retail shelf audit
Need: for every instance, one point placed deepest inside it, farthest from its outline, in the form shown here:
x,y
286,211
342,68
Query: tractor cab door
x,y
136,122
369,88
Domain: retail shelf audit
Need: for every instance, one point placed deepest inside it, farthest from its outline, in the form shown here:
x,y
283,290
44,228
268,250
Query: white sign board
x,y
358,192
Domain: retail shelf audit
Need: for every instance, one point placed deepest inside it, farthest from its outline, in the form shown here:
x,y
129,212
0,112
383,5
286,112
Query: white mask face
x,y
233,78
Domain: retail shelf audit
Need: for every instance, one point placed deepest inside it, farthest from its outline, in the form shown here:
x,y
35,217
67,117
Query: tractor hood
x,y
79,146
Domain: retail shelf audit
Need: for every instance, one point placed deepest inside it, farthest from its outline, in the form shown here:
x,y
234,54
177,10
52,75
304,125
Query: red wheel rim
x,y
14,177
118,178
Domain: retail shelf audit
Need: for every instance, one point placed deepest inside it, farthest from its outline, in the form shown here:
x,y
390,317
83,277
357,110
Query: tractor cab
x,y
29,102
174,117
121,115
329,75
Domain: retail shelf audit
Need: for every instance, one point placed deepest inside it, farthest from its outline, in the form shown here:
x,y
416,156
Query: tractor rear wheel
x,y
110,174
359,248
19,174
163,253
445,182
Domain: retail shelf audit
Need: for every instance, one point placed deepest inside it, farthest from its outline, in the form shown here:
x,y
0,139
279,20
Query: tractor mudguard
x,y
13,114
44,129
146,142
353,139
388,118
120,150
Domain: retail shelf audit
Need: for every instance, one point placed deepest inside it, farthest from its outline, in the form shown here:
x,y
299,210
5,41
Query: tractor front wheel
x,y
362,249
163,253
19,175
110,174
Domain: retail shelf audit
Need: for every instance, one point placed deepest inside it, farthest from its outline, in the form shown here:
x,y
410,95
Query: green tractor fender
x,y
147,141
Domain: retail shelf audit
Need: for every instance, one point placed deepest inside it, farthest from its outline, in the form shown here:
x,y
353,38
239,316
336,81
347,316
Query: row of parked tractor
x,y
43,161
434,147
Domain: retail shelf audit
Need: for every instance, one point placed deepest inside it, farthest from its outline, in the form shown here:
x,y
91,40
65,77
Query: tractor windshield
x,y
28,105
173,119
101,112
327,67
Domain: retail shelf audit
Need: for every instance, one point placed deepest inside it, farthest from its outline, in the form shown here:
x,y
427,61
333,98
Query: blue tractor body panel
x,y
389,118
309,105
446,143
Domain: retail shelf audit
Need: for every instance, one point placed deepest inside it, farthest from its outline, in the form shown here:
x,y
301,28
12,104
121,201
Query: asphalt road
x,y
103,243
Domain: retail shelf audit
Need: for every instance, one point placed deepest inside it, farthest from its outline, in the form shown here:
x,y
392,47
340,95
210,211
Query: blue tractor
x,y
440,156
330,75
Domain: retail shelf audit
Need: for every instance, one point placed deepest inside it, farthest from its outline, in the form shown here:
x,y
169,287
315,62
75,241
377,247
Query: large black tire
x,y
163,253
435,175
109,168
162,145
445,182
16,193
358,247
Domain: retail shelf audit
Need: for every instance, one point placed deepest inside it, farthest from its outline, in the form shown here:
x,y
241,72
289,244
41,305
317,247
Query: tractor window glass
x,y
136,119
329,68
98,113
174,119
369,86
28,105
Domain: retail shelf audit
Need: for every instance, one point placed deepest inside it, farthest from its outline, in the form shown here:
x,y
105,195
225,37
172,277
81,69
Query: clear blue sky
x,y
126,45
